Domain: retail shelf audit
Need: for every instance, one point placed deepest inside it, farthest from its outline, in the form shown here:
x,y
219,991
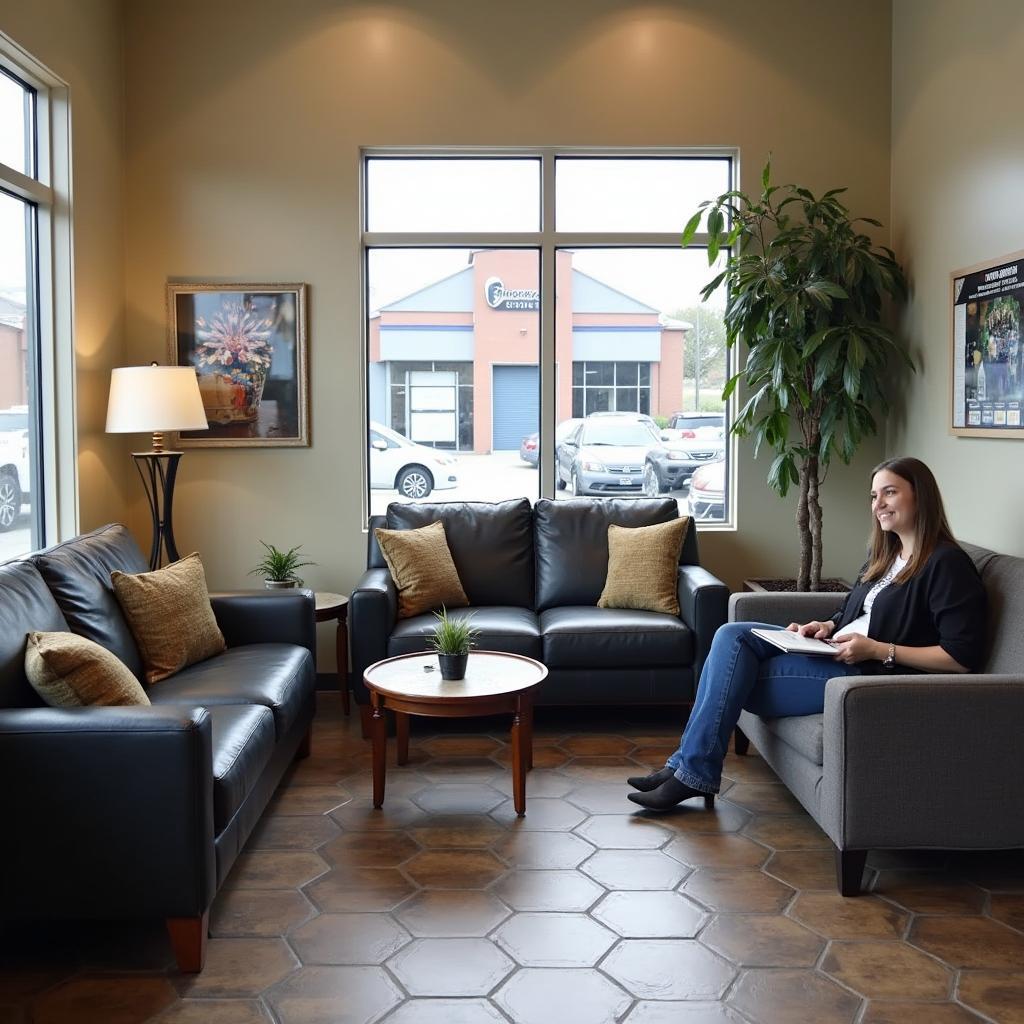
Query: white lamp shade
x,y
144,399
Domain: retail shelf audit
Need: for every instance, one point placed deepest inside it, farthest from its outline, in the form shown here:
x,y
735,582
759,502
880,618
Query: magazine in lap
x,y
794,643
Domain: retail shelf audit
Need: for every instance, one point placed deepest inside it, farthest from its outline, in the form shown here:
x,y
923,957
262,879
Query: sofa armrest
x,y
923,761
267,617
108,812
372,614
703,605
780,609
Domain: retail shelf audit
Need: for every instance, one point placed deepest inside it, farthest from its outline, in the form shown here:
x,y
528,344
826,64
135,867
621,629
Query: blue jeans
x,y
744,672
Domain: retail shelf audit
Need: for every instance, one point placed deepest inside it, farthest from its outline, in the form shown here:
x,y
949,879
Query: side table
x,y
335,606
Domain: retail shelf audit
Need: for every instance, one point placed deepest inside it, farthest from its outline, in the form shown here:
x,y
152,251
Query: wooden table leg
x,y
380,750
526,712
341,647
402,736
518,762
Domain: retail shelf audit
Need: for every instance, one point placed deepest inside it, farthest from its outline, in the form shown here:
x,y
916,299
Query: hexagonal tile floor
x,y
444,906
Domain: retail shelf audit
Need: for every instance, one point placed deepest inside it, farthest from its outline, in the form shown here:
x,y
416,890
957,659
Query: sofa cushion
x,y
25,605
643,567
170,616
278,676
491,545
802,732
571,539
421,565
78,575
71,671
1003,577
583,637
242,740
511,630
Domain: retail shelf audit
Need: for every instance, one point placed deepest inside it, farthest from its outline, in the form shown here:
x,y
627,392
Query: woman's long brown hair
x,y
932,526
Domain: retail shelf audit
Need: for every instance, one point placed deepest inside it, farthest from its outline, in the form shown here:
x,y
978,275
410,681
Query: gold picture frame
x,y
247,343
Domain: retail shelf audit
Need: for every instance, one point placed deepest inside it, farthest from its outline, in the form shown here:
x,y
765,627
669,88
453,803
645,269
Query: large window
x,y
517,301
34,296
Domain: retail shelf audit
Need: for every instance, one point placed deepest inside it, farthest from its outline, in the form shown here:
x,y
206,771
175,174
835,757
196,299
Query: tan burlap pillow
x,y
69,671
169,614
421,566
643,567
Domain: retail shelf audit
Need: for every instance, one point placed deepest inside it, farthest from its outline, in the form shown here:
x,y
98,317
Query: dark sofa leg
x,y
188,937
849,870
366,720
305,748
742,743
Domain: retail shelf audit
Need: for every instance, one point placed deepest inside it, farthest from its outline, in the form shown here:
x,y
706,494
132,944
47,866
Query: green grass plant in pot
x,y
278,567
805,295
453,639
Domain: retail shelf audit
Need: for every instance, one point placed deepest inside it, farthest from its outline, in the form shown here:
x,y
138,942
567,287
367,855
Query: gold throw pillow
x,y
643,567
169,614
421,566
69,671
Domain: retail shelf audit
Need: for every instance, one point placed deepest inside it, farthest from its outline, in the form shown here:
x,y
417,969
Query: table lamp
x,y
152,399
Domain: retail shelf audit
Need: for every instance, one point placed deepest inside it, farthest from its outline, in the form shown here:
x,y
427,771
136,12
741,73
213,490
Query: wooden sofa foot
x,y
188,937
849,870
742,743
305,748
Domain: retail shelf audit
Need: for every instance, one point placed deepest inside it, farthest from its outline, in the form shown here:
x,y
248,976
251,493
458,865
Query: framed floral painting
x,y
247,343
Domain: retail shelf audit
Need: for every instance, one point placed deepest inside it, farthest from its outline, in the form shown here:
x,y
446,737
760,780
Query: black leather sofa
x,y
533,576
135,812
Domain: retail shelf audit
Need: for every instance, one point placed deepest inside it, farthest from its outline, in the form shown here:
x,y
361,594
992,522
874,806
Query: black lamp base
x,y
157,471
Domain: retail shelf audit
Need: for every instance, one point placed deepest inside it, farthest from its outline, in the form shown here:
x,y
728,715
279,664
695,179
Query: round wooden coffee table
x,y
495,684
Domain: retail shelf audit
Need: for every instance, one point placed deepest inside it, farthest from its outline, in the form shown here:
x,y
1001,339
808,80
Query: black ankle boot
x,y
668,794
645,783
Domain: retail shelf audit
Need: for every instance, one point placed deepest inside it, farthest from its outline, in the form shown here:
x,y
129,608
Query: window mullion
x,y
549,370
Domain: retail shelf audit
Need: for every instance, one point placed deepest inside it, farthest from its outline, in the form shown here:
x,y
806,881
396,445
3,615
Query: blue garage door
x,y
516,405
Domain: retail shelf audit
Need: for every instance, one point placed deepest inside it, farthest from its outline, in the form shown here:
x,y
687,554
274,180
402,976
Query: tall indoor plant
x,y
805,295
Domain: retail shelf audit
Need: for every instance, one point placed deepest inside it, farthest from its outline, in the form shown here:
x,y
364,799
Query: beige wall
x,y
80,41
957,174
244,123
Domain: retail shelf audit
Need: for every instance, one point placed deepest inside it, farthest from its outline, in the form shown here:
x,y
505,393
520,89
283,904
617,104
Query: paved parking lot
x,y
493,477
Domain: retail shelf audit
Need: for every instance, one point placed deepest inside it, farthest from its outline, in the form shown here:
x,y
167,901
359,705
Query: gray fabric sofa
x,y
140,812
906,761
533,576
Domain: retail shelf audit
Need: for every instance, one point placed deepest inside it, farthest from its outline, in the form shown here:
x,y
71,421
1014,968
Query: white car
x,y
14,464
414,470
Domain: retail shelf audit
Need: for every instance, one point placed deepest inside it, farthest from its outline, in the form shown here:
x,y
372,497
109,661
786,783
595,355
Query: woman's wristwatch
x,y
890,658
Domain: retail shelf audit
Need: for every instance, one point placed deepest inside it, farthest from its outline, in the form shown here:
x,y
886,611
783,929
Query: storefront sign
x,y
988,356
517,299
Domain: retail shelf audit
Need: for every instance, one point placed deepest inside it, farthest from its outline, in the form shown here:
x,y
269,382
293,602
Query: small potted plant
x,y
278,568
452,639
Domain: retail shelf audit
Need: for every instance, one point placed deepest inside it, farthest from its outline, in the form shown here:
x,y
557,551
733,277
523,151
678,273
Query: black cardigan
x,y
943,604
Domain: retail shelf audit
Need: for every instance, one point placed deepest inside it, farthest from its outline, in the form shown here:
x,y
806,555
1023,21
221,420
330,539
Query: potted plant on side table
x,y
278,567
452,639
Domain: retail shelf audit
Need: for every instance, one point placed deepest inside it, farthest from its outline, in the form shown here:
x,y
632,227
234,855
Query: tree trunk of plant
x,y
803,527
814,515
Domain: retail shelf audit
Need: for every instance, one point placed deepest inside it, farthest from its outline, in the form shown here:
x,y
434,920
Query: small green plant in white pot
x,y
453,639
278,567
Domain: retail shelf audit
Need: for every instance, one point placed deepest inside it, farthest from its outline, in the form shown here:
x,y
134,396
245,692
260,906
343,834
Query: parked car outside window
x,y
414,470
671,466
529,447
706,499
605,455
14,465
696,425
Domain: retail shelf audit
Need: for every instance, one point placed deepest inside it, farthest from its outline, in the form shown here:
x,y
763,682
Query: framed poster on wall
x,y
987,355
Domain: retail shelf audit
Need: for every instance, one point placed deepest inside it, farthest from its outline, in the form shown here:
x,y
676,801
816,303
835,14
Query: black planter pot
x,y
453,666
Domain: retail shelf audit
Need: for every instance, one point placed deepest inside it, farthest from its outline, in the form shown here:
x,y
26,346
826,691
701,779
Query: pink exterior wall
x,y
12,366
512,337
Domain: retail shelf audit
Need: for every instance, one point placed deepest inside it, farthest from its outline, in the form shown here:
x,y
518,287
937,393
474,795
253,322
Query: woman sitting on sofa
x,y
918,606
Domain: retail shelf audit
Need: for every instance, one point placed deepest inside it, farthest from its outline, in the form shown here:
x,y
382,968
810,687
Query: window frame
x,y
547,241
49,296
